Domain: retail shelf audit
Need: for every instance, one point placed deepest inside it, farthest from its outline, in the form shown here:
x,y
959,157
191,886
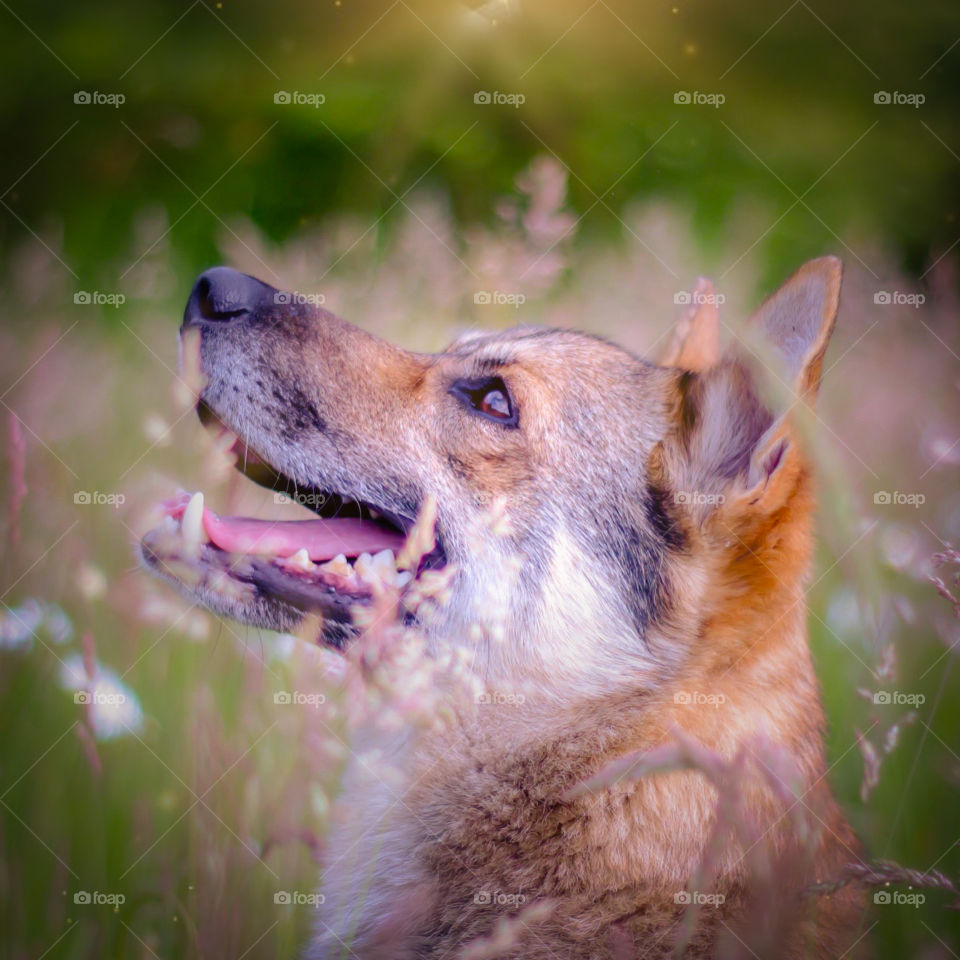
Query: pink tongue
x,y
322,539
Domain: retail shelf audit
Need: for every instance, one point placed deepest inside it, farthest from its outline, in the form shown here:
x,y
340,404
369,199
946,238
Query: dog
x,y
645,592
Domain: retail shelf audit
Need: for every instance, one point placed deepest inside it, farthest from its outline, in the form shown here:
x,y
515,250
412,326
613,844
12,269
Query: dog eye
x,y
488,397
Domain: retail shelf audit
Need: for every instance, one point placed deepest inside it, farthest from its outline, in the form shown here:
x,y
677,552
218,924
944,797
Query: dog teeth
x,y
376,570
363,566
191,526
403,578
380,569
300,561
337,566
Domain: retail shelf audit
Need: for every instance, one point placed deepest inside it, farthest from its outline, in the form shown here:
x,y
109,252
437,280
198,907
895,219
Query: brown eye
x,y
487,396
495,404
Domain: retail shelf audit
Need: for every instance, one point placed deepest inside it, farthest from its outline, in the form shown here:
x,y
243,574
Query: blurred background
x,y
422,168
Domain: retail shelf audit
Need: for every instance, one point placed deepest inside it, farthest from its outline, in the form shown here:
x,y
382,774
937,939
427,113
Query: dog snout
x,y
222,294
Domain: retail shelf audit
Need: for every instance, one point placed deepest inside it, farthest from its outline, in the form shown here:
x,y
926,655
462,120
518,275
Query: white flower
x,y
114,707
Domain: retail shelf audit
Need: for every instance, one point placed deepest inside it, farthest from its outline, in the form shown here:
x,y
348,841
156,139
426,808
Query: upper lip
x,y
326,504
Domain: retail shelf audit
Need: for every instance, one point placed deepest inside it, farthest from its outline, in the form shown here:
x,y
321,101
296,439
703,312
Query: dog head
x,y
576,487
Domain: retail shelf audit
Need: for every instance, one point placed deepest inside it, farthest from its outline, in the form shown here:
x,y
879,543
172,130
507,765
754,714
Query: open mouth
x,y
273,572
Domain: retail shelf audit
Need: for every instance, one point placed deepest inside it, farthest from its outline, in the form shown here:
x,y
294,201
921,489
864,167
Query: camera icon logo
x,y
483,297
882,497
882,297
881,896
481,96
82,697
82,497
82,896
281,296
282,897
682,697
682,96
882,697
82,297
682,298
682,897
282,96
282,696
882,96
483,897
82,96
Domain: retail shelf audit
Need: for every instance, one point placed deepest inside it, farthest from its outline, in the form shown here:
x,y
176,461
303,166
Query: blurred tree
x,y
203,133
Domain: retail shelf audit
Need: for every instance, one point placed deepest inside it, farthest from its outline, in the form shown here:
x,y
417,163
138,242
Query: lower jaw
x,y
215,562
253,590
263,590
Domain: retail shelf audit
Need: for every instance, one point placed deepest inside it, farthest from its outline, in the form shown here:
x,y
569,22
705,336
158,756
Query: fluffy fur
x,y
649,592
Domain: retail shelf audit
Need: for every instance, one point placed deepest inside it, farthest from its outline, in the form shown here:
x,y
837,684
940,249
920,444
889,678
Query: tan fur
x,y
696,339
684,467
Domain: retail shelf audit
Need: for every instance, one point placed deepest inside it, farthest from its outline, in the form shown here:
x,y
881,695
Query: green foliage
x,y
799,119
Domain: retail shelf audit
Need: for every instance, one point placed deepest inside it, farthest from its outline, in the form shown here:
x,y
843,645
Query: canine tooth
x,y
403,578
191,526
384,560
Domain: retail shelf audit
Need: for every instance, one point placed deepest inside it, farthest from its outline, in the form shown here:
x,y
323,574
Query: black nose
x,y
223,294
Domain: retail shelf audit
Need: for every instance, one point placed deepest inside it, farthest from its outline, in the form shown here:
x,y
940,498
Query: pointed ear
x,y
736,442
797,321
696,338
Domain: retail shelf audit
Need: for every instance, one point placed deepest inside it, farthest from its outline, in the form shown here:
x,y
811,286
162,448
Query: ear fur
x,y
798,319
735,443
696,338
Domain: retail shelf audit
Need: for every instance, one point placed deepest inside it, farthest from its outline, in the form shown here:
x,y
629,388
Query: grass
x,y
217,799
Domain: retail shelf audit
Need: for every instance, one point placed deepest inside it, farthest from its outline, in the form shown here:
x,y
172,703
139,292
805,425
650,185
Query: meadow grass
x,y
208,806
